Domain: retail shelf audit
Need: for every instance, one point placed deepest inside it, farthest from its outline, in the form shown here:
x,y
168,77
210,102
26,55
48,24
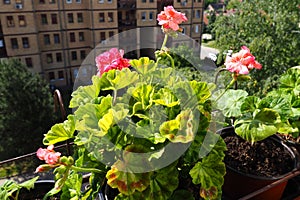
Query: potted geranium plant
x,y
254,157
138,128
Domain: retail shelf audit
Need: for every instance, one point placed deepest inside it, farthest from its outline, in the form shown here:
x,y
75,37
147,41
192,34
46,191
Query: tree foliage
x,y
270,28
26,109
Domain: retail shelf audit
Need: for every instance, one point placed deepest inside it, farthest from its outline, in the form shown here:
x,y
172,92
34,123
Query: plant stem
x,y
230,84
115,97
164,42
81,169
172,60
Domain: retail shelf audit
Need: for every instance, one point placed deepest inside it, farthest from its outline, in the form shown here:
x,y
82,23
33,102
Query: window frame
x,y
25,42
21,18
14,43
81,36
49,58
44,19
70,17
28,61
56,38
72,37
80,17
10,21
101,18
47,40
54,18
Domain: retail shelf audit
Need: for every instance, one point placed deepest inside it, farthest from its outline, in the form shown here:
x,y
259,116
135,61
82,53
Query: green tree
x,y
26,109
270,28
207,2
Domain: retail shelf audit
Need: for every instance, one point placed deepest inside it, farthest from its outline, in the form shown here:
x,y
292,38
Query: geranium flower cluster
x,y
48,155
170,19
112,59
241,62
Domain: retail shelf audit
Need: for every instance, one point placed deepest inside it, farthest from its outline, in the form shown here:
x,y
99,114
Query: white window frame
x,y
68,1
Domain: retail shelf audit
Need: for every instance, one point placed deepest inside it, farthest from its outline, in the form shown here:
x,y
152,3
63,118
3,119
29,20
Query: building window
x,y
70,18
44,19
28,62
72,37
68,1
74,55
151,16
61,75
110,17
14,43
22,21
46,39
54,18
56,38
1,43
102,36
42,1
51,76
49,58
101,1
25,42
198,13
58,57
82,54
196,28
79,17
6,1
52,1
81,36
101,17
151,1
111,34
144,1
10,21
143,16
78,1
183,30
109,1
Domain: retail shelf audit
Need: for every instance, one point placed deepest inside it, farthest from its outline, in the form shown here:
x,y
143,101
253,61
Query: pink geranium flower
x,y
241,62
48,155
112,59
169,18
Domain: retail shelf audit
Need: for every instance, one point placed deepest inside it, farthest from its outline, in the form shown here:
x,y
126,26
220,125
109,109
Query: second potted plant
x,y
255,158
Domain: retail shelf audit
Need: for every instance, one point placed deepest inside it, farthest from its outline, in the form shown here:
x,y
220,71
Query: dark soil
x,y
266,158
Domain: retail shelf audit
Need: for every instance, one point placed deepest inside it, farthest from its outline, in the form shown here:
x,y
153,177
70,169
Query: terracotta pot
x,y
246,186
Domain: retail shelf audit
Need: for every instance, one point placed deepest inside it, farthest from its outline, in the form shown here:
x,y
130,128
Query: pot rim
x,y
292,154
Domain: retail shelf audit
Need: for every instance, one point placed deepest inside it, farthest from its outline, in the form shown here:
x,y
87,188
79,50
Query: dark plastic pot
x,y
41,187
238,185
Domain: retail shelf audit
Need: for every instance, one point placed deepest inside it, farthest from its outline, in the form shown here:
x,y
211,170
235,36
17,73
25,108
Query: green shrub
x,y
26,108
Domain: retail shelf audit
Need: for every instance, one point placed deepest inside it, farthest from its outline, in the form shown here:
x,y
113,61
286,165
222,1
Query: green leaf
x,y
30,183
202,90
230,103
60,132
165,97
258,126
180,129
279,104
143,65
85,94
144,95
250,104
127,183
210,174
118,79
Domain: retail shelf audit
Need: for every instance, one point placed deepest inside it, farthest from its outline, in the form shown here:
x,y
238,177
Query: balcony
x,y
126,5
